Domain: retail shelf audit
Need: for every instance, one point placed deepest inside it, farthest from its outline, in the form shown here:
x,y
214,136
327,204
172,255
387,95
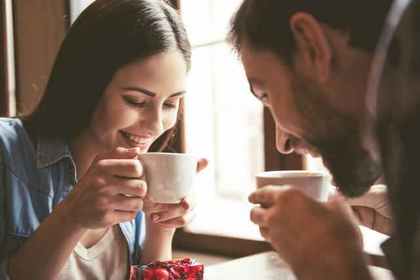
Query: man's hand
x,y
314,239
372,209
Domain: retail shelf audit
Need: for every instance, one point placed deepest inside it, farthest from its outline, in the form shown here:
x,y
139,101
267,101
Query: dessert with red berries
x,y
184,269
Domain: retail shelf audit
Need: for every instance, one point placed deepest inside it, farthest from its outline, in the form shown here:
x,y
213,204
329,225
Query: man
x,y
308,62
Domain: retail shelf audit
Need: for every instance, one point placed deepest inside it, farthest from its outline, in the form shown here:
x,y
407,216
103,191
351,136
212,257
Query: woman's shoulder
x,y
10,128
14,142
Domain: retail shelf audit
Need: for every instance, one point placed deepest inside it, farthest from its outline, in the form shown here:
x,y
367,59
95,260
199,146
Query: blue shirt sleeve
x,y
3,221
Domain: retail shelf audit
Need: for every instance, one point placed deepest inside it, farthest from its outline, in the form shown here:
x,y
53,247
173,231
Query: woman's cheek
x,y
170,120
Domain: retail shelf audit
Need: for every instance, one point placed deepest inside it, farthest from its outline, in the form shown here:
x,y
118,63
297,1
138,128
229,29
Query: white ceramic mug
x,y
313,184
169,176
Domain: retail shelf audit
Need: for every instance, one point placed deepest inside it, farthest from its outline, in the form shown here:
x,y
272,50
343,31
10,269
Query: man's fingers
x,y
265,233
267,195
259,216
338,205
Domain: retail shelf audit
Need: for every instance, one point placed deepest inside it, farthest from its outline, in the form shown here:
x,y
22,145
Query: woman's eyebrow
x,y
150,93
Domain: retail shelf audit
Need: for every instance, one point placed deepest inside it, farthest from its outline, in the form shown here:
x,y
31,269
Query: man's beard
x,y
337,137
352,167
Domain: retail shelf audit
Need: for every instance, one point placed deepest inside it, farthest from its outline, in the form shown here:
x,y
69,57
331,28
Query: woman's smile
x,y
141,141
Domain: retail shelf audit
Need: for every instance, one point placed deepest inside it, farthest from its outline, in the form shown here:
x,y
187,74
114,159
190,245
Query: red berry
x,y
147,274
161,274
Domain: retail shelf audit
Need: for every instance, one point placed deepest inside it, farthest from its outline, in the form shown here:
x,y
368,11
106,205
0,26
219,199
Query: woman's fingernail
x,y
185,205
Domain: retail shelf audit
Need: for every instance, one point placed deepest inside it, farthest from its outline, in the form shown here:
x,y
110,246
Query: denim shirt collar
x,y
51,151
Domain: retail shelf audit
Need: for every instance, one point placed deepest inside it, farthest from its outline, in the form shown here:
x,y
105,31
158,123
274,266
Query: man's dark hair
x,y
264,24
107,35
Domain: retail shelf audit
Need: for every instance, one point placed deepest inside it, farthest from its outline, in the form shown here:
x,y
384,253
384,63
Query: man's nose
x,y
283,142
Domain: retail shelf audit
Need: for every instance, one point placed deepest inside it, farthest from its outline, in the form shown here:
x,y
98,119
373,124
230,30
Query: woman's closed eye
x,y
140,103
134,102
172,102
171,105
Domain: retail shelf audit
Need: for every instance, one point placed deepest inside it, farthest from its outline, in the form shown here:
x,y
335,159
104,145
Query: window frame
x,y
3,56
235,246
7,83
37,40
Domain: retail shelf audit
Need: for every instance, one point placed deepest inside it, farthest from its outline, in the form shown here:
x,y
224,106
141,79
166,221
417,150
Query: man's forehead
x,y
258,63
253,55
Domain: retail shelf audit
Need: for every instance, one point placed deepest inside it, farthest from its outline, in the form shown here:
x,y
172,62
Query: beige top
x,y
107,259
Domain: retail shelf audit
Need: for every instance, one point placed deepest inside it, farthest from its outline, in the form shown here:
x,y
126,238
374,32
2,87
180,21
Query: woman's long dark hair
x,y
107,35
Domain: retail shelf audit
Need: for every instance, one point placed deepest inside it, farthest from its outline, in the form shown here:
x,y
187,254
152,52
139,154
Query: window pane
x,y
223,122
207,20
77,6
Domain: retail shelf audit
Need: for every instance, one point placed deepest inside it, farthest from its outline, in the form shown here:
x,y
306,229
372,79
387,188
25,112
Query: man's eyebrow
x,y
150,93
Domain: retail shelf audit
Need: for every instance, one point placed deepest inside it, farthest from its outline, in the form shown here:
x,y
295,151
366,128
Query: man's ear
x,y
312,46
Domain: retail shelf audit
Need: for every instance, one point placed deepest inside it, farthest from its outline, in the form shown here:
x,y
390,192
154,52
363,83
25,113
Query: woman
x,y
70,194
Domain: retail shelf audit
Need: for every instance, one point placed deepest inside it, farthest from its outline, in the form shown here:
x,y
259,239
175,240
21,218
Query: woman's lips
x,y
136,140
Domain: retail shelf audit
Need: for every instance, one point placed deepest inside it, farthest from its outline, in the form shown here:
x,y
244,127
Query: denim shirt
x,y
32,183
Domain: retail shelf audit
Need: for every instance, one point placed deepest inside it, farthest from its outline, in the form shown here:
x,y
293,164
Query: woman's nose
x,y
154,121
283,142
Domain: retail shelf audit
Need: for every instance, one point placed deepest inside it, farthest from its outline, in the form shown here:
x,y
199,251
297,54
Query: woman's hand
x,y
173,215
110,192
161,221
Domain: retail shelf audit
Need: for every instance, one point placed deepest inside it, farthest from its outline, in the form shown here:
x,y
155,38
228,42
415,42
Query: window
x,y
223,123
7,55
77,6
32,34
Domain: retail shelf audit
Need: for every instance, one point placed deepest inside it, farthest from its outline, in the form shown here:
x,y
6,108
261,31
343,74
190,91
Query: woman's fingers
x,y
202,164
126,168
128,187
171,212
178,222
124,203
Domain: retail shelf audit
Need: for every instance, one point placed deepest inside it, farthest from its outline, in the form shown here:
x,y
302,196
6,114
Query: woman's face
x,y
140,103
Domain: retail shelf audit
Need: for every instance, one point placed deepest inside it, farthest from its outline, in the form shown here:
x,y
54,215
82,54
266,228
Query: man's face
x,y
308,120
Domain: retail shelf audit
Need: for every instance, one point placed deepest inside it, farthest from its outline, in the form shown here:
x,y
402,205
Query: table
x,y
269,266
266,266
